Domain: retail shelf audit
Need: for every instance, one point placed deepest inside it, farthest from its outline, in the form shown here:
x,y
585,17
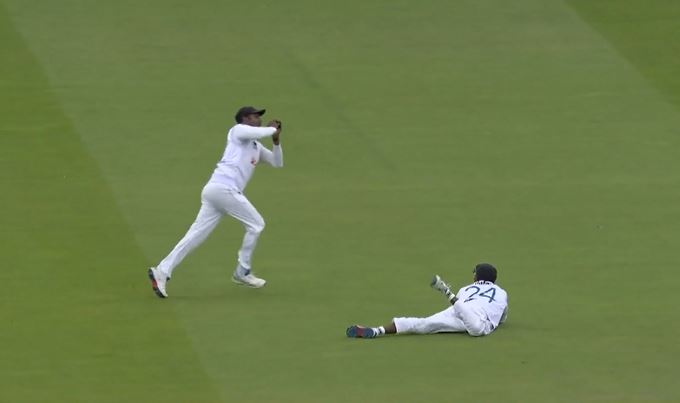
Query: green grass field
x,y
420,138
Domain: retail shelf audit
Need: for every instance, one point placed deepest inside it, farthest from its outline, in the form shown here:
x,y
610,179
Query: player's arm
x,y
246,133
440,285
274,157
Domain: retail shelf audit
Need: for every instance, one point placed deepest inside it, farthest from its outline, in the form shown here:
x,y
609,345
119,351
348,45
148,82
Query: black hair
x,y
247,110
486,272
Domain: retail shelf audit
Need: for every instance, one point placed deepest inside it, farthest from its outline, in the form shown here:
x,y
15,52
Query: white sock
x,y
379,330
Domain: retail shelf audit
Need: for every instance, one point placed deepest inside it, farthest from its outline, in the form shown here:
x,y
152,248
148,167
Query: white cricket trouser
x,y
216,201
460,317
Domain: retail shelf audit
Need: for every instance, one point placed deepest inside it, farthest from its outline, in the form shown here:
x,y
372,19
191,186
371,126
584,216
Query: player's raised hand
x,y
277,124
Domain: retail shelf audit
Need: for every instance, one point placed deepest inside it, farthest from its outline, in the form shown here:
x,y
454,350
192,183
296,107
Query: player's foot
x,y
158,281
361,332
248,279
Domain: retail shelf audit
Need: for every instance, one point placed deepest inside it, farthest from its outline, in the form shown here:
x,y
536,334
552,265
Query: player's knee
x,y
256,227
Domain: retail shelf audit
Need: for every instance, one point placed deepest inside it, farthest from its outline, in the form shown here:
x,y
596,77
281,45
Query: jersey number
x,y
490,293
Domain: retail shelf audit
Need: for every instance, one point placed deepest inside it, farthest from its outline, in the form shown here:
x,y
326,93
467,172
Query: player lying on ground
x,y
223,195
477,309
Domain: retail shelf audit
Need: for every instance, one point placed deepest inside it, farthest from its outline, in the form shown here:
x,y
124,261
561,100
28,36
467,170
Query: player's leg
x,y
207,219
473,318
359,331
238,206
445,321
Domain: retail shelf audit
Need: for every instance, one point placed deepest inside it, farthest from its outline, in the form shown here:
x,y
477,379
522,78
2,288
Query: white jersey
x,y
489,297
242,154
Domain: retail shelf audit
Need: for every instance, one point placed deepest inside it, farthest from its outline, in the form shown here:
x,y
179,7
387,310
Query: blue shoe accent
x,y
369,333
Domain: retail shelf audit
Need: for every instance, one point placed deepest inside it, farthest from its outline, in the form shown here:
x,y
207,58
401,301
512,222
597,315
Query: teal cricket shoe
x,y
361,332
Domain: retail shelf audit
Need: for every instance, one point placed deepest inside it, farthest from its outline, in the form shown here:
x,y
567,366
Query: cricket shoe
x,y
248,279
158,281
439,285
361,332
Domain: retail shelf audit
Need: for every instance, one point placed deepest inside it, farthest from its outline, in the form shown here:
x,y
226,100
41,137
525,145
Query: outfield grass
x,y
420,138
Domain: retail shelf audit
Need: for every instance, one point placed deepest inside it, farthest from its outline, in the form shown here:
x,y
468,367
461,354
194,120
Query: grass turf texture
x,y
420,138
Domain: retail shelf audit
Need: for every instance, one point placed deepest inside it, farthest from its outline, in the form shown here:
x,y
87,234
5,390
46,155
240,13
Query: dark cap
x,y
248,110
485,272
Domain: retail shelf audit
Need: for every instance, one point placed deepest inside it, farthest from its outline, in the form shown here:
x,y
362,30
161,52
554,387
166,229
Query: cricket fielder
x,y
223,194
477,309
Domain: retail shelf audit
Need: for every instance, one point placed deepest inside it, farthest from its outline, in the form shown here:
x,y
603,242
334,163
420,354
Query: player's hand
x,y
274,123
275,137
277,124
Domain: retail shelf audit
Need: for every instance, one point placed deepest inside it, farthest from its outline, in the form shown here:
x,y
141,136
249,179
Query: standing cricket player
x,y
223,194
477,309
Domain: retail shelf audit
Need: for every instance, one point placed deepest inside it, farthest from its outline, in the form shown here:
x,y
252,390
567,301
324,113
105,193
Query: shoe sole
x,y
360,332
243,283
154,284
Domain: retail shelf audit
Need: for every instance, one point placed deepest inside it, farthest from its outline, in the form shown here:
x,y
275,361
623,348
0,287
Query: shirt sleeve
x,y
247,133
274,157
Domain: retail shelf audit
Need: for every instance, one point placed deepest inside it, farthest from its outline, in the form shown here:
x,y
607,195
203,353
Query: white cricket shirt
x,y
242,154
489,297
